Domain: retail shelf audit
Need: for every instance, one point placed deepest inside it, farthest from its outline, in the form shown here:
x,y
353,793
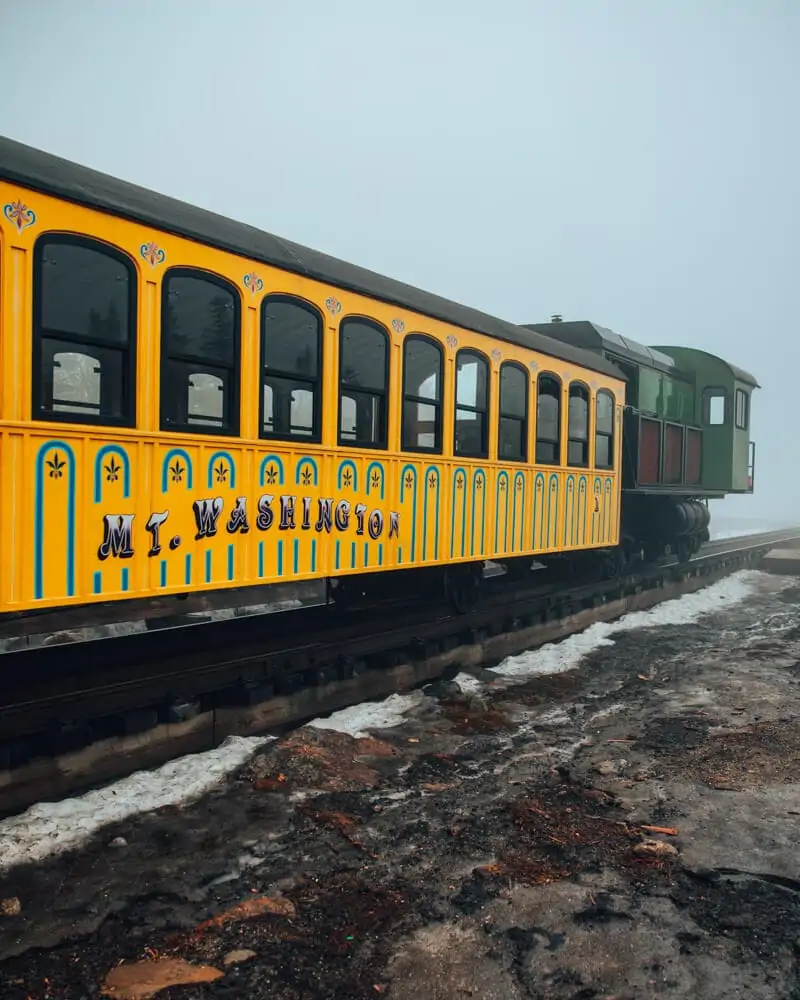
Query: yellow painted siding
x,y
97,514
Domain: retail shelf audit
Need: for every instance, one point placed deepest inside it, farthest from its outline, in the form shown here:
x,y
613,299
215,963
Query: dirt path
x,y
499,844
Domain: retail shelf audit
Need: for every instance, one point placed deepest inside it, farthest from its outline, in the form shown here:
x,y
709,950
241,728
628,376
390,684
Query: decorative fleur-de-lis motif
x,y
539,484
452,342
554,486
56,465
152,253
409,480
221,472
479,483
533,366
398,325
306,477
431,480
347,478
272,474
375,480
19,213
502,485
177,471
112,470
518,485
459,482
333,305
496,355
253,283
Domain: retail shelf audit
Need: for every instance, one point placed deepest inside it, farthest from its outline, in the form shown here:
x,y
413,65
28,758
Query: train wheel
x,y
463,587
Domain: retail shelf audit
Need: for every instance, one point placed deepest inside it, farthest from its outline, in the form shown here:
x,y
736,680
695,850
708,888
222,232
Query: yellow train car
x,y
191,406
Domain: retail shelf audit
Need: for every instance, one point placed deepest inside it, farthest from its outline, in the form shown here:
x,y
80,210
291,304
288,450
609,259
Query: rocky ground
x,y
626,829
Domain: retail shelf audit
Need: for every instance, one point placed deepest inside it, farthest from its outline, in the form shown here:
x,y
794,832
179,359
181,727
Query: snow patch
x,y
467,684
357,720
555,658
53,827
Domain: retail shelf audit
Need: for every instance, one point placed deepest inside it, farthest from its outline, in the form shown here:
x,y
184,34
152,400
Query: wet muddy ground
x,y
624,830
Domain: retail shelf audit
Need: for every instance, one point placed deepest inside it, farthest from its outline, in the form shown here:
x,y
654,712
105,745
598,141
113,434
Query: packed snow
x,y
554,658
358,720
52,827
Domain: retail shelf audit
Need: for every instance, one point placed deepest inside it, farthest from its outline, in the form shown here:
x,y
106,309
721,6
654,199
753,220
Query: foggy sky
x,y
627,162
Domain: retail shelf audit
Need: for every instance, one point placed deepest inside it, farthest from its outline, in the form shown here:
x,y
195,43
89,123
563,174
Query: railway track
x,y
75,715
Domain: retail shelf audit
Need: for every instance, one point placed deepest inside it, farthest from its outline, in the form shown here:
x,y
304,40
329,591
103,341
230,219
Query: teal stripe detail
x,y
98,583
280,558
313,555
366,554
261,559
353,556
338,546
163,572
208,565
296,555
380,555
188,569
230,562
125,578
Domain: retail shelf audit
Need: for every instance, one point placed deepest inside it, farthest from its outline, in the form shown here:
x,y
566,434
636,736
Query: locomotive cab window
x,y
199,353
84,338
512,445
291,340
604,431
715,405
742,410
548,421
422,394
472,405
578,425
363,382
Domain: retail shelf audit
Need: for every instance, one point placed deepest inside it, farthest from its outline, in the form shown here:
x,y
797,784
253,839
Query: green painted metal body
x,y
722,408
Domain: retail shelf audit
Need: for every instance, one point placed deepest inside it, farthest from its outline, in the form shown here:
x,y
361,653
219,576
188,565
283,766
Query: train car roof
x,y
593,337
40,171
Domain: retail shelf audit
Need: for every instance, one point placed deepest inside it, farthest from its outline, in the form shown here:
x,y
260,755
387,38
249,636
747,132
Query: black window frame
x,y
200,274
129,350
318,381
604,393
484,452
436,448
501,416
744,395
558,442
584,390
383,444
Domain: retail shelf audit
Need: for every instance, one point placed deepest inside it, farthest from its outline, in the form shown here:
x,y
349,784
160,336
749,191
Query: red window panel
x,y
673,454
694,454
649,451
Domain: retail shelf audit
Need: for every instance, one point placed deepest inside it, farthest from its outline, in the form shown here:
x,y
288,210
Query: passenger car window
x,y
604,431
578,425
199,353
422,394
513,430
84,332
548,421
291,390
363,381
472,405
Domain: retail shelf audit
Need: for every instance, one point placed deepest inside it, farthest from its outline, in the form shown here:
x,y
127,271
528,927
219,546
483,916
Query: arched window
x,y
84,332
548,421
200,317
472,405
422,394
291,389
512,443
578,425
363,382
604,431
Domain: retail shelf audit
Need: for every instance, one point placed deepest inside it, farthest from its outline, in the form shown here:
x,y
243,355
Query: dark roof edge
x,y
38,170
